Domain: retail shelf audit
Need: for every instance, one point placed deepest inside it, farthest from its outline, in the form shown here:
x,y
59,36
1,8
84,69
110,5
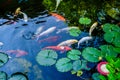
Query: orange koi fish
x,y
59,17
18,52
61,48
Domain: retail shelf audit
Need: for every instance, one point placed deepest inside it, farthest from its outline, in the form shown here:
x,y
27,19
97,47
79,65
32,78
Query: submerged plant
x,y
46,57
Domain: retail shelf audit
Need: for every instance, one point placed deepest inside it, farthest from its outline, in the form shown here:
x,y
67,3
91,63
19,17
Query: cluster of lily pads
x,y
76,60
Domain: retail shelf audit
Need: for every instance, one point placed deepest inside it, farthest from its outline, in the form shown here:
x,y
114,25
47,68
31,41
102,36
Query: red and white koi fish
x,y
18,52
48,31
68,42
66,29
59,17
92,28
49,39
84,39
61,48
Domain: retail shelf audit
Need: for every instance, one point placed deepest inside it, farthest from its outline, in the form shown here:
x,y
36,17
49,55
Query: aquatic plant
x,y
95,76
114,69
91,54
46,57
84,20
3,75
74,54
64,65
74,32
78,73
3,58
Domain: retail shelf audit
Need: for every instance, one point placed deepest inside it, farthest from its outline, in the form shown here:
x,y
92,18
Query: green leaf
x,y
84,20
107,50
18,76
117,63
91,54
64,65
74,32
116,40
102,77
3,75
77,65
3,58
95,76
74,54
46,57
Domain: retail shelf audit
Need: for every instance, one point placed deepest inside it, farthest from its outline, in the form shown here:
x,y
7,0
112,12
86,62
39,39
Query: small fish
x,y
49,39
92,28
25,17
68,42
61,48
66,29
57,4
84,39
18,52
1,43
48,31
39,30
59,17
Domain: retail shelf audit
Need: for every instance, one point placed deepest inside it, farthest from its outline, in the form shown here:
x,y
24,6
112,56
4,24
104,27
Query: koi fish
x,y
48,31
1,43
61,48
18,52
84,39
39,30
93,27
66,29
68,42
49,39
25,17
59,17
57,4
17,11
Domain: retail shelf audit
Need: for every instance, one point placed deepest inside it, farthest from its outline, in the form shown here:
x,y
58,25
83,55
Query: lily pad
x,y
107,50
46,57
77,65
18,76
91,54
3,58
116,49
3,75
74,32
64,65
95,76
110,27
74,54
84,20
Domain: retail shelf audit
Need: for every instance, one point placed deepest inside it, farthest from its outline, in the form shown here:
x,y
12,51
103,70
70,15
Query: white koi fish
x,y
66,29
84,39
48,31
68,42
92,28
25,17
1,43
57,4
39,30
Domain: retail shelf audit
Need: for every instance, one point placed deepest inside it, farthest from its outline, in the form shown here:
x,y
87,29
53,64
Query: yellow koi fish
x,y
93,27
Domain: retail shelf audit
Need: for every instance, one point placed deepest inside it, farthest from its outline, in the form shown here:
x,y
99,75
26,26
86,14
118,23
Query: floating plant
x,y
107,50
3,58
46,57
3,75
91,54
64,65
95,76
18,76
84,20
74,54
74,32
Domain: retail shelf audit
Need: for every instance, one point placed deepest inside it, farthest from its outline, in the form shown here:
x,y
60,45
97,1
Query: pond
x,y
48,46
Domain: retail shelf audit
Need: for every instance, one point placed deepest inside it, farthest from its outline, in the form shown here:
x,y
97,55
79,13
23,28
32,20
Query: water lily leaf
x,y
46,57
3,58
91,54
102,77
74,54
74,32
107,50
3,75
95,76
64,65
116,40
84,20
116,49
110,27
18,76
77,65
